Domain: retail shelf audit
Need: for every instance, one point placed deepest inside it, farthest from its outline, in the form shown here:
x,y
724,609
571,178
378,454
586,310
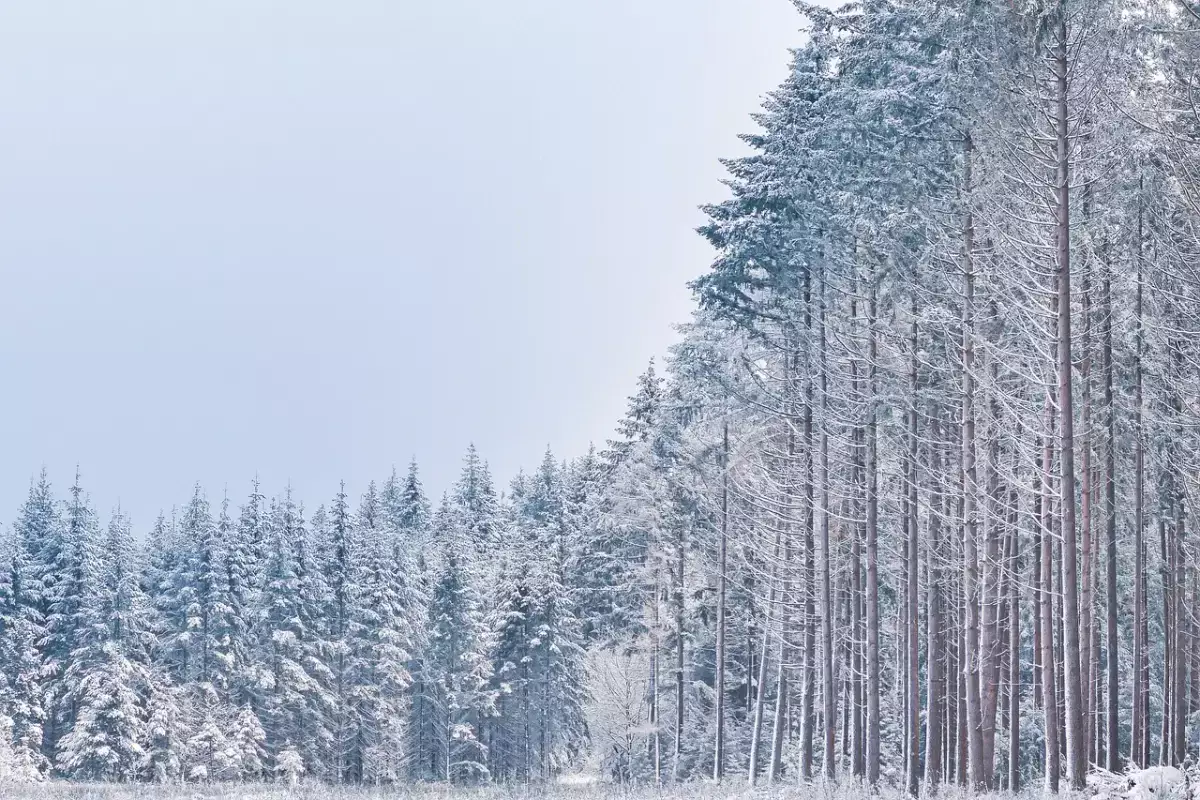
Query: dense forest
x,y
909,503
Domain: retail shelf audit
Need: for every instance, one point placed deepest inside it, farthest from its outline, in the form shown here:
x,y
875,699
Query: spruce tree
x,y
108,674
457,675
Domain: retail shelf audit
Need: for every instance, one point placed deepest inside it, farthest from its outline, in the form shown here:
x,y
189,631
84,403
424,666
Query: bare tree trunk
x,y
914,663
1076,736
971,671
679,593
858,761
872,498
1139,752
1014,656
1113,763
656,744
1085,520
807,692
781,683
828,688
781,693
1180,612
1049,687
722,594
760,698
990,595
1164,740
964,659
1039,670
935,680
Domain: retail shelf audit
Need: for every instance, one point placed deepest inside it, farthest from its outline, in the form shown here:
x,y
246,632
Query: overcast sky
x,y
309,240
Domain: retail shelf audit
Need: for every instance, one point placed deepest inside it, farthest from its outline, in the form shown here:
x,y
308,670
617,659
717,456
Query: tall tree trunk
x,y
807,691
1139,752
760,698
678,600
858,760
828,688
656,744
1014,654
1178,590
971,671
914,663
1049,684
990,593
781,694
935,680
785,602
722,595
1113,763
872,499
1086,665
1076,736
1164,739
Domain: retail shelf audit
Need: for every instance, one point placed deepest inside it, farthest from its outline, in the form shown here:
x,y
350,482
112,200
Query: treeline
x,y
371,641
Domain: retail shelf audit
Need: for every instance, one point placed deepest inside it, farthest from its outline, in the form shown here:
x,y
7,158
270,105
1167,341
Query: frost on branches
x,y
910,503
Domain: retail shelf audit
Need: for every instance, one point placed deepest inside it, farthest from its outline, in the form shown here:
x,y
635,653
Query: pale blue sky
x,y
310,239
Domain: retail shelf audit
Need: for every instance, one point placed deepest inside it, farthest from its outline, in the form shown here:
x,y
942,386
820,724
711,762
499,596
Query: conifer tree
x,y
108,674
475,504
457,676
20,690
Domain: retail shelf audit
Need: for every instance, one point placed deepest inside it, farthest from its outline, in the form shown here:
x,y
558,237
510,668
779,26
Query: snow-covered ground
x,y
1156,783
569,790
564,791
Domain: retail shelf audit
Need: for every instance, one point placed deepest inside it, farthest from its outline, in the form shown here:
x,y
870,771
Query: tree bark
x,y
760,697
1113,762
722,594
1049,687
913,667
971,656
872,524
1014,648
828,688
1139,752
935,680
1075,730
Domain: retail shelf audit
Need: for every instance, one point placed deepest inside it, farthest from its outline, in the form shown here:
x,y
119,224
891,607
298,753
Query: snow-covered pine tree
x,y
36,531
233,670
562,692
20,663
108,674
456,674
379,639
341,621
314,740
209,754
413,513
511,754
70,586
296,694
475,504
201,587
167,729
638,421
248,743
